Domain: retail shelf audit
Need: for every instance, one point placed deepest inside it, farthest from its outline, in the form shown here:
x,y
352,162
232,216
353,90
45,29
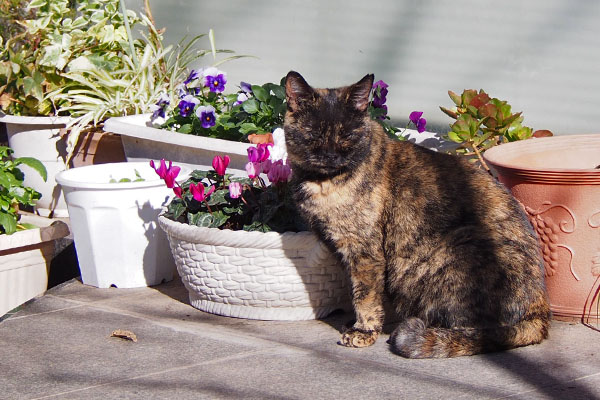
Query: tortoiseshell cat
x,y
451,248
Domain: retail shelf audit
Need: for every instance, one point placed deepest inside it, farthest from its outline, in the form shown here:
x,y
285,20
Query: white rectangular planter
x,y
143,142
25,259
114,225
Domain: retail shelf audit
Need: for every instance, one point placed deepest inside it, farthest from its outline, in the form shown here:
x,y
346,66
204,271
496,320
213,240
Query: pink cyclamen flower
x,y
198,193
168,174
259,153
279,172
235,190
220,164
178,191
253,169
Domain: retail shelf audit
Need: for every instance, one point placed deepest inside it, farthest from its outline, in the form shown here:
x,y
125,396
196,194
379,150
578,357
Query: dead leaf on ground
x,y
123,334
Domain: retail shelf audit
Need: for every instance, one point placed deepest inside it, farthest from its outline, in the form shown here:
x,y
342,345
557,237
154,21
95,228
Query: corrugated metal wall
x,y
543,56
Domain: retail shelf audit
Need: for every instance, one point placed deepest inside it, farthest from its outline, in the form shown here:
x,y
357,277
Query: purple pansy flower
x,y
207,116
195,74
215,80
420,123
187,105
246,87
242,97
158,109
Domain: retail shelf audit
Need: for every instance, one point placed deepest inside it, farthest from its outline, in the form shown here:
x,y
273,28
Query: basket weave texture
x,y
255,275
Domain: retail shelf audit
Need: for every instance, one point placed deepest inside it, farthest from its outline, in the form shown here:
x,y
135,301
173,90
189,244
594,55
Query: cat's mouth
x,y
324,170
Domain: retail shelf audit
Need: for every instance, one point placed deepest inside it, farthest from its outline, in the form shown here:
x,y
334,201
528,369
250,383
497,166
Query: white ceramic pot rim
x,y
139,126
39,120
68,178
227,237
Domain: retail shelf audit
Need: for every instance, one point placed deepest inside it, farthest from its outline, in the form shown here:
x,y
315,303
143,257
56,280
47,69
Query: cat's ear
x,y
296,90
359,92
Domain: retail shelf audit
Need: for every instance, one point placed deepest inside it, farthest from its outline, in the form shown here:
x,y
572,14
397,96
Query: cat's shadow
x,y
341,319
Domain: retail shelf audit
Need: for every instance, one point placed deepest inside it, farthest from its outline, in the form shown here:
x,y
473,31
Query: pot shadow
x,y
158,263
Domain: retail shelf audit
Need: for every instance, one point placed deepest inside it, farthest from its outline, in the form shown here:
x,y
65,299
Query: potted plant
x,y
84,65
557,181
240,247
26,240
203,120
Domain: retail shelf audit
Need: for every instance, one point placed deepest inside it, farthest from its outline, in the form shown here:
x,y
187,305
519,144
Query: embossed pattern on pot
x,y
257,279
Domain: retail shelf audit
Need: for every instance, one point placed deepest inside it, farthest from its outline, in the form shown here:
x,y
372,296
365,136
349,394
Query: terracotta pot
x,y
558,184
98,147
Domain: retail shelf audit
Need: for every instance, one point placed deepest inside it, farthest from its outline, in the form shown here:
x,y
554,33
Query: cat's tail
x,y
412,339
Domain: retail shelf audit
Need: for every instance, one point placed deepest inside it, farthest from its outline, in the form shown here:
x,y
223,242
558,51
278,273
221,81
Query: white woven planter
x,y
267,276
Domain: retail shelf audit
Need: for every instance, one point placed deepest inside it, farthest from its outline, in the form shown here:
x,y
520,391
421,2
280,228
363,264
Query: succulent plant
x,y
483,122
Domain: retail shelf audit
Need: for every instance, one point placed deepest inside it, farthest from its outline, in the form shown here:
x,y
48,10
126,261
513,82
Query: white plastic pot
x,y
114,225
39,137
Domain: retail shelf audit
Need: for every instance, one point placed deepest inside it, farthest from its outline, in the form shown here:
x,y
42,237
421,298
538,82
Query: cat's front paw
x,y
358,338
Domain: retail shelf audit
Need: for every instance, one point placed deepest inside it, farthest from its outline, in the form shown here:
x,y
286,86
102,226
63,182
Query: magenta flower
x,y
279,172
206,115
253,169
235,190
220,164
178,191
380,92
198,193
259,153
187,105
168,174
420,123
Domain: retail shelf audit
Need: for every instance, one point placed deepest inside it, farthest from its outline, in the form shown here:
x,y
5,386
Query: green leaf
x,y
454,137
260,93
198,174
176,209
8,222
203,219
187,128
257,226
454,97
278,91
218,197
251,106
35,164
249,127
208,220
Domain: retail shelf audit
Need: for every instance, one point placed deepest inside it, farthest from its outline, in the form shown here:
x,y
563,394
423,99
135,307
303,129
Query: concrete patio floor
x,y
59,346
